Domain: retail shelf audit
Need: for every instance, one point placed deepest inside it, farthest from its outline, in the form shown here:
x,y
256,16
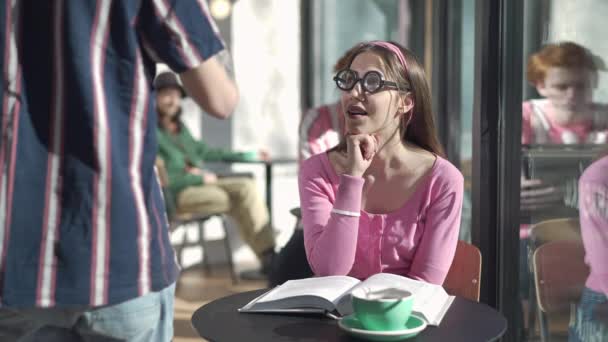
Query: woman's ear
x,y
406,103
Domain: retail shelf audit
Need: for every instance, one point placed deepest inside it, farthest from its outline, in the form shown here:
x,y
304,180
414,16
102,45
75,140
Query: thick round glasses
x,y
371,82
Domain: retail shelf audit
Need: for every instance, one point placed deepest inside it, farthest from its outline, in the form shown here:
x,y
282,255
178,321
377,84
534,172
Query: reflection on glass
x,y
590,322
565,75
562,132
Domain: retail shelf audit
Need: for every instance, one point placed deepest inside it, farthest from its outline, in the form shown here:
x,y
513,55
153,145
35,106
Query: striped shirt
x,y
81,212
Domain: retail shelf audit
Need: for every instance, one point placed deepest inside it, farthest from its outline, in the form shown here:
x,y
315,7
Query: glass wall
x,y
337,25
563,226
467,78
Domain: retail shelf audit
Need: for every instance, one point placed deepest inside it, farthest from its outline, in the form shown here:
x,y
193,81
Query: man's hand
x,y
264,155
209,177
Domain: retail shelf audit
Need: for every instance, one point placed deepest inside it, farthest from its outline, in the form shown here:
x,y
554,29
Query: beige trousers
x,y
238,198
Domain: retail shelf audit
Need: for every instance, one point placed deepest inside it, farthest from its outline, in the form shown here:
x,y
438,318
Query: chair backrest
x,y
560,273
556,230
464,276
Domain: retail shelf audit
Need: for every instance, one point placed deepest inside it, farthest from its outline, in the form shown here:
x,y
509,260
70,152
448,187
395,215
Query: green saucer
x,y
352,326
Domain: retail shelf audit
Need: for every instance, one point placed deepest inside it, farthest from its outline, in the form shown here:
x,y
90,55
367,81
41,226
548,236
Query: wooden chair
x,y
464,276
560,273
178,219
562,229
555,230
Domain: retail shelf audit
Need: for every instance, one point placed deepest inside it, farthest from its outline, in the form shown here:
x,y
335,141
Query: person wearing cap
x,y
193,189
85,253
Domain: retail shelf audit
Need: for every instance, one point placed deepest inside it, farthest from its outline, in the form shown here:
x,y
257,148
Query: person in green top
x,y
193,189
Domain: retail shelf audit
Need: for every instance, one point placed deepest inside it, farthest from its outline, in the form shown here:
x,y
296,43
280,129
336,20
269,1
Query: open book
x,y
332,295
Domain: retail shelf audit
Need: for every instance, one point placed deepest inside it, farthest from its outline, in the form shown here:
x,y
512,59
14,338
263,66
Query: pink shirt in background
x,y
320,129
418,240
539,127
593,209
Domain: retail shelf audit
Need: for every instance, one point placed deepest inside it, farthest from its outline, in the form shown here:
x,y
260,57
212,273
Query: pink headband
x,y
397,51
394,49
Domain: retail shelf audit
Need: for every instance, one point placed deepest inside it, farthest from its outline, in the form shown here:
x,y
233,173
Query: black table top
x,y
220,321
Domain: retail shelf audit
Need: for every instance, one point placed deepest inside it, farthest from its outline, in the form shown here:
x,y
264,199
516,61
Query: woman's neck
x,y
390,156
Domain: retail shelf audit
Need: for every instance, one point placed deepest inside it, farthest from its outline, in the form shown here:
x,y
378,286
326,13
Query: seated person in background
x,y
591,322
196,190
384,199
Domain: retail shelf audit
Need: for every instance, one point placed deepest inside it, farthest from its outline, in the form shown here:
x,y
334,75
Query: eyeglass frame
x,y
383,83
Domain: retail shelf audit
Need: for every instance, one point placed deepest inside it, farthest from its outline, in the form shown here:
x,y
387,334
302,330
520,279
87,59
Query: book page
x,y
303,293
430,301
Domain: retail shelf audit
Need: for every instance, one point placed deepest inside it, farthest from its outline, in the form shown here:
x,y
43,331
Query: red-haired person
x,y
565,74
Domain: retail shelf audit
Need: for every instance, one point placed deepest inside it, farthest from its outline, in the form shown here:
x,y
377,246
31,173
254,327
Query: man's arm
x,y
211,87
183,36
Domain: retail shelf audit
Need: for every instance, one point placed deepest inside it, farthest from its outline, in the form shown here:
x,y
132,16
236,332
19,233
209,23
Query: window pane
x,y
343,23
563,224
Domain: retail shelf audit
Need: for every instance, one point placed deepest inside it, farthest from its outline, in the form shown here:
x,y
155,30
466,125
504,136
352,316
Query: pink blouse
x,y
418,240
593,194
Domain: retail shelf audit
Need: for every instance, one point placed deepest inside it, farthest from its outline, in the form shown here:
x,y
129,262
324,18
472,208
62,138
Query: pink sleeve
x,y
526,123
594,229
330,239
437,247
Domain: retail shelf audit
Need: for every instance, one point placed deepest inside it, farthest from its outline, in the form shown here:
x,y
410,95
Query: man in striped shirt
x,y
84,246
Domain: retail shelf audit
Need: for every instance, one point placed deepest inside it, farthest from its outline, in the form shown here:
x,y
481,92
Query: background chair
x,y
464,276
562,229
178,219
560,273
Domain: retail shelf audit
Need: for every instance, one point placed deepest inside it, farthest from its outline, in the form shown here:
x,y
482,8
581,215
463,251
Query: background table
x,y
220,321
268,164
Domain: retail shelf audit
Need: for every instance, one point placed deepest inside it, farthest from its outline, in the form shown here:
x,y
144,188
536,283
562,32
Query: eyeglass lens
x,y
346,80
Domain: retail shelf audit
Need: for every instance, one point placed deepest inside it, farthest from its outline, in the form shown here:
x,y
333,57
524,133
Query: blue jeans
x,y
586,326
146,318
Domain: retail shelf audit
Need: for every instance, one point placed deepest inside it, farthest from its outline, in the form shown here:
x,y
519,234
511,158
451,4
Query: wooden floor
x,y
196,289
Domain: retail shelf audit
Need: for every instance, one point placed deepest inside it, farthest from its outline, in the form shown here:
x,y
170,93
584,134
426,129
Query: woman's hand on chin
x,y
360,151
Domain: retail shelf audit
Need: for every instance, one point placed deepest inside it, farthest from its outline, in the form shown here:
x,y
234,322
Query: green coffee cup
x,y
382,310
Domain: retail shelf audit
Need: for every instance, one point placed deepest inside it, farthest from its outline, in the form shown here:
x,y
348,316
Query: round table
x,y
219,321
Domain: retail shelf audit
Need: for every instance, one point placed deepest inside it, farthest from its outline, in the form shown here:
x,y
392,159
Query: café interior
x,y
521,206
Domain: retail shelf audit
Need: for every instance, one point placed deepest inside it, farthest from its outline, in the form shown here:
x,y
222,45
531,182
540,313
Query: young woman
x,y
385,199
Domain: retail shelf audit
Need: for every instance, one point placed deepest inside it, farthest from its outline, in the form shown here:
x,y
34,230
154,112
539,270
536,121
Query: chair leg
x,y
228,249
532,304
201,232
544,326
532,308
